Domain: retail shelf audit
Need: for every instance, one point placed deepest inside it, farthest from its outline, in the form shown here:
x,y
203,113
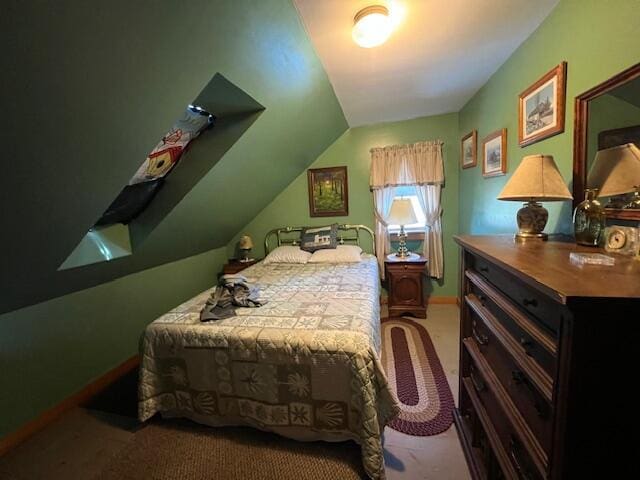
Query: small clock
x,y
623,240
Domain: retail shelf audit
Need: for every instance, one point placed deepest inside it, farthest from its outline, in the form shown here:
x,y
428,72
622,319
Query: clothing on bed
x,y
306,365
233,291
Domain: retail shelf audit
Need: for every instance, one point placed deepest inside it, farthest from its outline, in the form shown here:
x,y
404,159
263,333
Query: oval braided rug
x,y
416,376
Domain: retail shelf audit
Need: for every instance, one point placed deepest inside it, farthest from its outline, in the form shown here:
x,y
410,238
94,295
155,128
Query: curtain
x,y
382,200
429,198
419,165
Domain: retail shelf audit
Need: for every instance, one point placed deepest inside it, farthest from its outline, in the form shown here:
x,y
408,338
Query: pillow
x,y
342,254
316,238
287,254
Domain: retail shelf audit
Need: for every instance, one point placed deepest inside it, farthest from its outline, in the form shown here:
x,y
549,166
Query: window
x,y
410,193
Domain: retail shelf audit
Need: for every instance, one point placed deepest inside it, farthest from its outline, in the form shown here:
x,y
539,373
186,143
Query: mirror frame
x,y
580,134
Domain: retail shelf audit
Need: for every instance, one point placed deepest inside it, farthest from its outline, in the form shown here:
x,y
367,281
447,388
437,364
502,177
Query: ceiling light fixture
x,y
372,26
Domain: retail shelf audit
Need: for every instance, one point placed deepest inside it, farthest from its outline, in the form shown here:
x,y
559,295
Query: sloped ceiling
x,y
88,88
440,54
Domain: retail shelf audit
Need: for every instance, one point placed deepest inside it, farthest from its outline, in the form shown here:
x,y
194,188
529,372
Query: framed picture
x,y
469,149
541,107
494,154
328,192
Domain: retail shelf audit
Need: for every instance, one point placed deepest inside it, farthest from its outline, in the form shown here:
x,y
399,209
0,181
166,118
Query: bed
x,y
305,365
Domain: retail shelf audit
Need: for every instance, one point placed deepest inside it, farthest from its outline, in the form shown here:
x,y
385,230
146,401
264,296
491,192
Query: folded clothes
x,y
233,291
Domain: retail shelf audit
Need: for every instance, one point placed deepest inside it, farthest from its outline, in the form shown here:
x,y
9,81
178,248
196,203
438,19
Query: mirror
x,y
606,116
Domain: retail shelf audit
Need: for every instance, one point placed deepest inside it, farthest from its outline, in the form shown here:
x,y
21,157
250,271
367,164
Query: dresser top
x,y
546,266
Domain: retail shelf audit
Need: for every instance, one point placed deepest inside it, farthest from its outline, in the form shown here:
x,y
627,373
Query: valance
x,y
415,164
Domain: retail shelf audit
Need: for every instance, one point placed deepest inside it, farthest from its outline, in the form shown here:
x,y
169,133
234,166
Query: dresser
x,y
549,361
405,286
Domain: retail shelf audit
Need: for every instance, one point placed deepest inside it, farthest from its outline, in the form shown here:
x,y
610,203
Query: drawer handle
x,y
519,378
484,269
480,338
530,302
526,345
478,384
515,459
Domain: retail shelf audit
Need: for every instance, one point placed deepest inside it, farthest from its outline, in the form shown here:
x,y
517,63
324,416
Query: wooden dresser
x,y
548,361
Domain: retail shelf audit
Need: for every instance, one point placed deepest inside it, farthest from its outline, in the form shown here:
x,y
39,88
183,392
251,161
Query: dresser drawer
x,y
530,393
531,338
541,308
514,440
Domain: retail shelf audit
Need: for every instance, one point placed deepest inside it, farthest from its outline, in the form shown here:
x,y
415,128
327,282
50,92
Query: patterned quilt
x,y
305,365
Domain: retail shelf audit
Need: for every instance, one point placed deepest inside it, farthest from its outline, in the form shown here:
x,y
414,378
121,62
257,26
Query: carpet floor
x,y
169,450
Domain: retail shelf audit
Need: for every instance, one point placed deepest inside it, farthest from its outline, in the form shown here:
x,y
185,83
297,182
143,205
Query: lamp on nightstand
x,y
246,244
536,178
402,214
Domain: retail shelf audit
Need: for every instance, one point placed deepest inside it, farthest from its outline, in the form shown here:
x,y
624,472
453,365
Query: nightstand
x,y
405,285
234,265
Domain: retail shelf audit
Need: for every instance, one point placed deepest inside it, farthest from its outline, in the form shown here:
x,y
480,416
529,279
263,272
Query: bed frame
x,y
346,234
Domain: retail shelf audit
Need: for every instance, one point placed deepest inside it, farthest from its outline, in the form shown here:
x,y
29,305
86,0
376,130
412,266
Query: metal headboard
x,y
291,236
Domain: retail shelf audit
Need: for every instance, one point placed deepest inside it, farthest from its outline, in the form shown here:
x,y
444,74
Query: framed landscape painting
x,y
328,192
494,154
468,150
541,107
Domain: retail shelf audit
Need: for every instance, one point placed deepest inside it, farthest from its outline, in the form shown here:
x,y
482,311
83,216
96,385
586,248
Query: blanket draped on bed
x,y
304,365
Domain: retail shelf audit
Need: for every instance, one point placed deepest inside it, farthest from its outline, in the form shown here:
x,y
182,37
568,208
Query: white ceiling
x,y
440,54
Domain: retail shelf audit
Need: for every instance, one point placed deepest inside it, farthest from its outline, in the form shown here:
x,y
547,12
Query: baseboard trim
x,y
79,398
442,300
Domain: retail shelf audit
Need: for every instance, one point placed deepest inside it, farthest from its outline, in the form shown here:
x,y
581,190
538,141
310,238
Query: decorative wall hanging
x,y
541,107
328,192
494,154
469,149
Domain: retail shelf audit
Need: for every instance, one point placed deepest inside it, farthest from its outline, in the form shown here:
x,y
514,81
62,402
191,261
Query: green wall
x,y
291,206
52,349
87,90
598,39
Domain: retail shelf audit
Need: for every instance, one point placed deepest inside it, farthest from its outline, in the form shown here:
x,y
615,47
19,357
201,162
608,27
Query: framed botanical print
x,y
541,107
468,150
328,192
494,154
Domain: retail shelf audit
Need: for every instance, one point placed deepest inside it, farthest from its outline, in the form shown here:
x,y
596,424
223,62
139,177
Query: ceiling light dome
x,y
372,26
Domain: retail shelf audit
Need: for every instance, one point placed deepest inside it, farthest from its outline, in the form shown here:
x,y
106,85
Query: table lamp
x,y
536,178
616,171
402,214
246,244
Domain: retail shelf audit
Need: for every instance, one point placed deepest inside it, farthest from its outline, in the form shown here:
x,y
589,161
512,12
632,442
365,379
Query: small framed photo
x,y
494,154
328,192
469,149
541,107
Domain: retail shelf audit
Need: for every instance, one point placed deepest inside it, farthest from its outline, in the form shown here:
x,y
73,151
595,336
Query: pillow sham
x,y
341,254
287,254
316,238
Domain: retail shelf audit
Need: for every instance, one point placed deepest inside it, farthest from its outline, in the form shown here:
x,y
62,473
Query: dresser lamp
x,y
246,244
402,214
536,179
616,171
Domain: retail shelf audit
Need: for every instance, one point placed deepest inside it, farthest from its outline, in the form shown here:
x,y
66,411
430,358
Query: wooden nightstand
x,y
234,265
405,284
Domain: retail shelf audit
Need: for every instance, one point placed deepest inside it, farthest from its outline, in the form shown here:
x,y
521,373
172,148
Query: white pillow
x,y
287,254
341,254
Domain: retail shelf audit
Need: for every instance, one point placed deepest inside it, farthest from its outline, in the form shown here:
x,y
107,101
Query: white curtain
x,y
382,200
429,198
419,165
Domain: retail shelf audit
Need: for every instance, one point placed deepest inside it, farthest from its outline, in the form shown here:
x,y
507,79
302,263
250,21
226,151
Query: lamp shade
x,y
402,212
245,242
536,178
616,170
